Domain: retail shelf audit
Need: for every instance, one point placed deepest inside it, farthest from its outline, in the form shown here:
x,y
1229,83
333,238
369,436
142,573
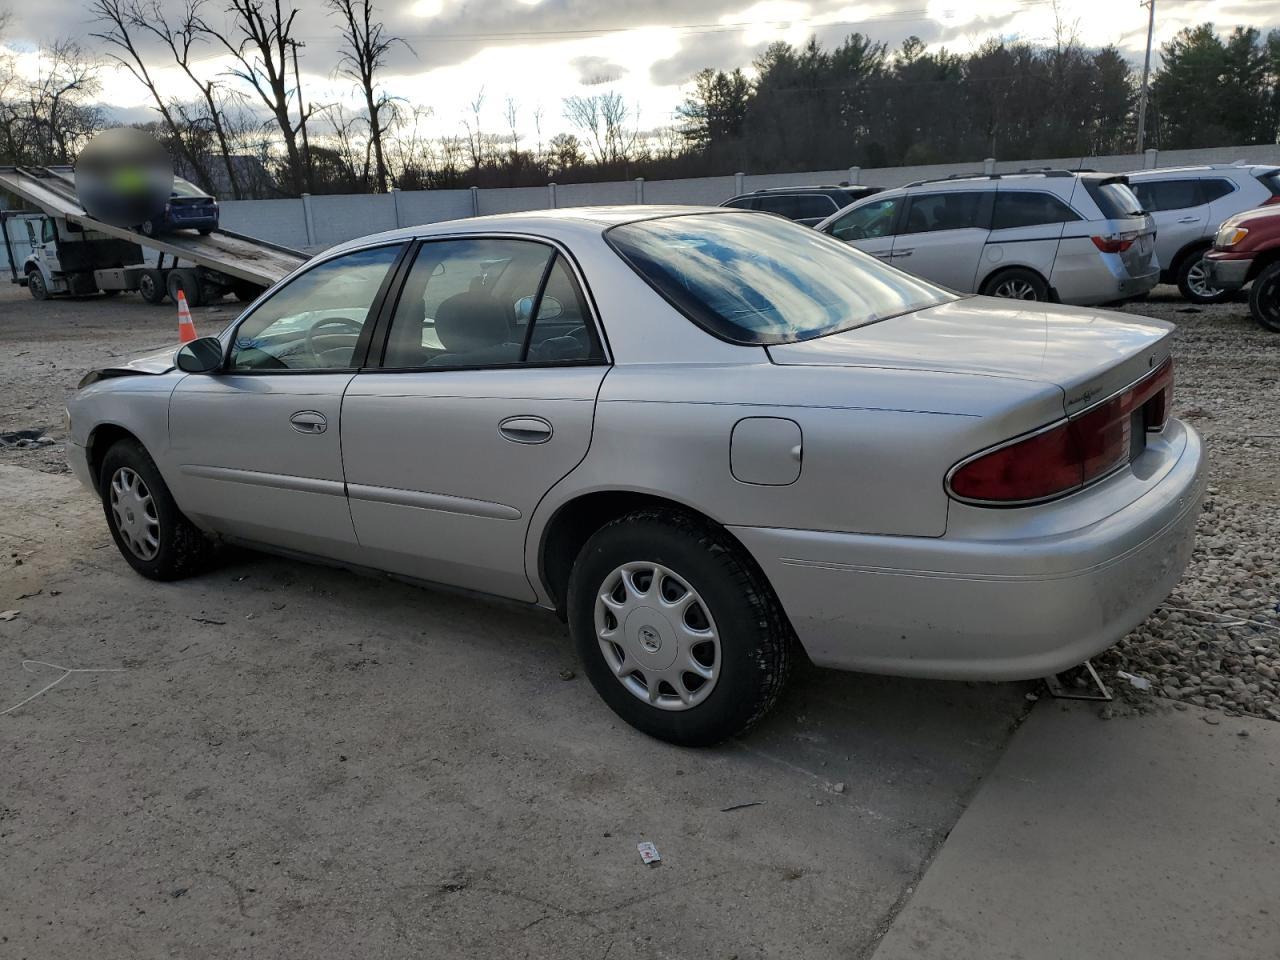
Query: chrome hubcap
x,y
1015,290
657,636
1198,281
135,514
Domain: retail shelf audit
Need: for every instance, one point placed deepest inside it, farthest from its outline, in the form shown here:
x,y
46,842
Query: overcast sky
x,y
540,51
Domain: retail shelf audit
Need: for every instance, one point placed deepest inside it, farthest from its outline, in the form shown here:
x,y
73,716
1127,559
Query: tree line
x,y
251,132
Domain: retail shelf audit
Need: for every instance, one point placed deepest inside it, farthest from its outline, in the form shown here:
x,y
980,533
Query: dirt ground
x,y
292,761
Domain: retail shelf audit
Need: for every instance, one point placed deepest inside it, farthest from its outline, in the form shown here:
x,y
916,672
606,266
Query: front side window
x,y
944,211
314,322
1156,195
1029,208
798,206
871,220
488,302
762,280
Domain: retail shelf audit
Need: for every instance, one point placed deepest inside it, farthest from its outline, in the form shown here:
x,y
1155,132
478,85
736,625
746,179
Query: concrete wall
x,y
316,222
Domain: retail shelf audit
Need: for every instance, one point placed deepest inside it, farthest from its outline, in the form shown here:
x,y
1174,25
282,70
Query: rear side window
x,y
1157,195
740,203
1215,189
868,221
1028,208
930,212
1114,199
1271,180
798,206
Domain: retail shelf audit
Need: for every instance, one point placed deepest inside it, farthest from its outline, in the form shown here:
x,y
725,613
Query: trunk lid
x,y
1089,354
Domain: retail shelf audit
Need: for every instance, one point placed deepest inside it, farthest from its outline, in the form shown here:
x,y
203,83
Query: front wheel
x,y
36,285
1264,298
1193,281
1016,284
152,534
677,629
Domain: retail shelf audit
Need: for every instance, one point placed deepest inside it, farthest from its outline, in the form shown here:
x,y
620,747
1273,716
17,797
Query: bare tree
x,y
260,41
365,52
475,135
67,76
603,118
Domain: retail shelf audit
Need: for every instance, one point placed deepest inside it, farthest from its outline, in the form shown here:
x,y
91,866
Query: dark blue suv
x,y
189,207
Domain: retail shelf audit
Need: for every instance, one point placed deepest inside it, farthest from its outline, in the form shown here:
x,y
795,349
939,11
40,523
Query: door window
x,y
314,322
488,302
48,233
798,206
1029,208
1215,189
1156,195
868,221
944,211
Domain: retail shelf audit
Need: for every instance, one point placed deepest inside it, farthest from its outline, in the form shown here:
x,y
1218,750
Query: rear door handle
x,y
309,421
525,429
1189,220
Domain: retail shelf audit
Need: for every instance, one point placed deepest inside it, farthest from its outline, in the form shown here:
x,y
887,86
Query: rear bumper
x,y
1099,278
1228,274
986,608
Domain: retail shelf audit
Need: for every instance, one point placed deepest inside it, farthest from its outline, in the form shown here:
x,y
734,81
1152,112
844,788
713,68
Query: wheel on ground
x,y
1016,283
204,231
677,629
188,282
37,286
1264,297
151,286
1193,280
151,532
148,228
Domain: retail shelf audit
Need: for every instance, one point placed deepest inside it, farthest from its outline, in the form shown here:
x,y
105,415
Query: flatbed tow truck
x,y
73,254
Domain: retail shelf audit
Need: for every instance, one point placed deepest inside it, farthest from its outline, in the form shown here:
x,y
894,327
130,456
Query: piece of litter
x,y
1212,719
1032,697
742,806
9,615
216,623
649,853
838,788
567,674
1135,681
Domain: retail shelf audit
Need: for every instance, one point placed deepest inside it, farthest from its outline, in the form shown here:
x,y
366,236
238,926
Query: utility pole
x,y
1146,72
302,115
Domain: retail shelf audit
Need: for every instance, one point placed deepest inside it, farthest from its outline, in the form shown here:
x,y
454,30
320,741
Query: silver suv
x,y
1046,235
1189,204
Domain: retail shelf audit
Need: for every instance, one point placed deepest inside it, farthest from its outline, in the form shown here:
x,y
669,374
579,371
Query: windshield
x,y
754,278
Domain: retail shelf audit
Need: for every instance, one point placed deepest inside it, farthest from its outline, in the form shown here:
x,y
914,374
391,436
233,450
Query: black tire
x,y
36,285
755,639
1192,282
1014,281
245,291
1264,297
189,283
181,549
148,228
204,231
151,286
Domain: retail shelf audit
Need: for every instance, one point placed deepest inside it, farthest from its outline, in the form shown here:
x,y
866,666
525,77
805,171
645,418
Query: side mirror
x,y
548,310
200,356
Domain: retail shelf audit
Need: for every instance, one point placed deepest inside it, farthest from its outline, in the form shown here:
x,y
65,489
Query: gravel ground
x,y
1214,643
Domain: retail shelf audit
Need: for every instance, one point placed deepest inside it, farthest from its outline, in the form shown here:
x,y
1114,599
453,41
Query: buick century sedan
x,y
711,440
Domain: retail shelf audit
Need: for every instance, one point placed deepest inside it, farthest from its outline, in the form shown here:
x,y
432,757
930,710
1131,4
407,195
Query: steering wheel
x,y
349,328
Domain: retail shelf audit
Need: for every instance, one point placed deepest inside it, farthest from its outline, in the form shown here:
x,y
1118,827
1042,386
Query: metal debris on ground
x,y
1135,681
742,806
1078,683
649,853
9,615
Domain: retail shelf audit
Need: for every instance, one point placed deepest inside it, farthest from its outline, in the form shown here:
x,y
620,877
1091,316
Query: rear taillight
x,y
1069,455
1114,243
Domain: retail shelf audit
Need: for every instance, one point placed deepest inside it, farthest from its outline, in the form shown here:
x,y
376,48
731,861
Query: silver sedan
x,y
708,439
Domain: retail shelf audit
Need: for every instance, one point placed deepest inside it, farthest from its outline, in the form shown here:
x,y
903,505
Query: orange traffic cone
x,y
186,329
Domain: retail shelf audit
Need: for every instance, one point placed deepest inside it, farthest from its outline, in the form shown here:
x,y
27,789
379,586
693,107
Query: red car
x,y
1246,250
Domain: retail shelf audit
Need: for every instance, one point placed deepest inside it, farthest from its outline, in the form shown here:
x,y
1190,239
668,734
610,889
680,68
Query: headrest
x,y
470,321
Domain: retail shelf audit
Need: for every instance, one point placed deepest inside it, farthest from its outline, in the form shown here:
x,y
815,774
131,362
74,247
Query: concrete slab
x,y
1139,837
299,762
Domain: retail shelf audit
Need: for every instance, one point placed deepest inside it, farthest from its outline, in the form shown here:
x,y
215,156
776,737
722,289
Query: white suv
x,y
1189,204
1045,235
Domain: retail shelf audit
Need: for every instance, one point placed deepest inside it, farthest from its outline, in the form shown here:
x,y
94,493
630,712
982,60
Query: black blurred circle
x,y
124,177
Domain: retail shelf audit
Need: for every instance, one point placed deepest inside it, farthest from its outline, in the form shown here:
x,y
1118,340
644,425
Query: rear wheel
x,y
1264,297
678,631
1193,280
188,283
37,286
1016,283
151,286
152,534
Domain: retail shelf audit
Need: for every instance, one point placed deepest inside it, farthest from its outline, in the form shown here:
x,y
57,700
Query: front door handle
x,y
903,253
309,421
525,430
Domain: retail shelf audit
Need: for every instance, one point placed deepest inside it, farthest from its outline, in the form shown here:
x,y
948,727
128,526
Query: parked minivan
x,y
1189,204
1079,238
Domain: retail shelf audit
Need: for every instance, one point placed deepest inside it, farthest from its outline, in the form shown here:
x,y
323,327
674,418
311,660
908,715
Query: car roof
x,y
1207,169
560,223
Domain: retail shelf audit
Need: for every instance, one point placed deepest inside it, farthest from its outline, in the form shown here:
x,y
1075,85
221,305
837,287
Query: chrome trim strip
x,y
256,478
432,501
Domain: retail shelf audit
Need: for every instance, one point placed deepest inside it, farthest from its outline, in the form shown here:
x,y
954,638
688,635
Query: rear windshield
x,y
763,280
1114,199
184,188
